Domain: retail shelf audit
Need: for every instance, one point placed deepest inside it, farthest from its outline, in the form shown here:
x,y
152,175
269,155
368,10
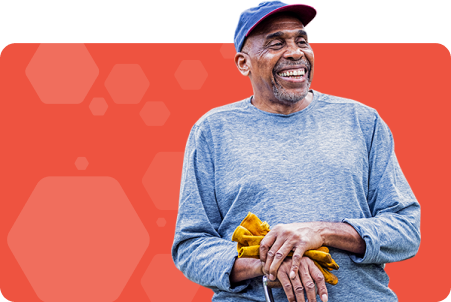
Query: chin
x,y
290,97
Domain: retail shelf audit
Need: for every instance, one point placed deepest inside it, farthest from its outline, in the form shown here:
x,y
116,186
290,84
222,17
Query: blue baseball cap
x,y
251,17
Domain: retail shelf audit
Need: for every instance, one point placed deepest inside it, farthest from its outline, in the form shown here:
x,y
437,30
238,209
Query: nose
x,y
294,52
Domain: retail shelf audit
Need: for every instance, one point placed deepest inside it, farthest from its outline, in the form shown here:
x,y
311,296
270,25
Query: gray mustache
x,y
293,63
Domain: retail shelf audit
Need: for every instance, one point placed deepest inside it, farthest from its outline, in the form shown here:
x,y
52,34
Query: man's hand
x,y
284,238
305,280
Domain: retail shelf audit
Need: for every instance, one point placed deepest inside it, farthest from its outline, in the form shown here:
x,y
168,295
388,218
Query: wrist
x,y
260,269
325,230
246,268
342,236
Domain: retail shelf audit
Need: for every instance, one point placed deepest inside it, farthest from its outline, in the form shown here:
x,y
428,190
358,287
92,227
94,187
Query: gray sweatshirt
x,y
333,161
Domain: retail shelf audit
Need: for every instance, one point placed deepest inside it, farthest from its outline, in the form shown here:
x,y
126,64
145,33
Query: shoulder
x,y
344,106
333,99
223,114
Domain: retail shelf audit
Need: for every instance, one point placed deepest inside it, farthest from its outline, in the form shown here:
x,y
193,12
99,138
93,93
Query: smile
x,y
293,74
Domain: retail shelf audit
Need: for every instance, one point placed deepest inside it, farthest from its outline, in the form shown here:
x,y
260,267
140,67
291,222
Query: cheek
x,y
266,67
310,57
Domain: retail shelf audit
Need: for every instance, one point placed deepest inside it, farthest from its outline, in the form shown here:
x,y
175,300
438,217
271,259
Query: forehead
x,y
278,22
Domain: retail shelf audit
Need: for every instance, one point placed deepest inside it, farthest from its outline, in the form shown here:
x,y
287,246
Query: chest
x,y
271,152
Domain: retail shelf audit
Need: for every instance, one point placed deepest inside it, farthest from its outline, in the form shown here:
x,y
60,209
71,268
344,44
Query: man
x,y
321,170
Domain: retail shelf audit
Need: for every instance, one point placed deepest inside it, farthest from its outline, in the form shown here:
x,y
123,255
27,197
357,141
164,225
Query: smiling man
x,y
320,169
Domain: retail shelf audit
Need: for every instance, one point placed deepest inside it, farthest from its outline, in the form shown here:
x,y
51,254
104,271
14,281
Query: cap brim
x,y
305,13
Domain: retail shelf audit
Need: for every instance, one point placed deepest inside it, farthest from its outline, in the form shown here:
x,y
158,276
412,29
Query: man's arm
x,y
338,235
306,236
198,250
342,236
391,234
246,268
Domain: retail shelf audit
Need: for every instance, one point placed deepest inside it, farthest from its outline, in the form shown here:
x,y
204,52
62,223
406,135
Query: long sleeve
x,y
393,233
198,249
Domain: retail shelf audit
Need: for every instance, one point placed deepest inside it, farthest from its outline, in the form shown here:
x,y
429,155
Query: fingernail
x,y
324,298
292,275
271,277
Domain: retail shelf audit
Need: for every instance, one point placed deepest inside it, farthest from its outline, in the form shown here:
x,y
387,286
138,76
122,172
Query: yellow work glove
x,y
250,233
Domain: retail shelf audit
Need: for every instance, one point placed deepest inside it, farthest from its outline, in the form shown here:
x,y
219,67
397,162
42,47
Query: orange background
x,y
139,144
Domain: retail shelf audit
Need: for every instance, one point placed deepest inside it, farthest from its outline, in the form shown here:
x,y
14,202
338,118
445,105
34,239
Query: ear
x,y
243,63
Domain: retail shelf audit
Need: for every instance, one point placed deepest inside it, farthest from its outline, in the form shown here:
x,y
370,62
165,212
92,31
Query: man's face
x,y
281,59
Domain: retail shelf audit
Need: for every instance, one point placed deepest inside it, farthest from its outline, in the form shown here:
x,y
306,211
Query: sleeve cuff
x,y
229,256
371,238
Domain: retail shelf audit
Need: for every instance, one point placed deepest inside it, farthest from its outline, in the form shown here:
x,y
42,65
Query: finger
x,y
270,258
278,257
266,244
296,261
319,279
286,284
298,289
263,268
307,281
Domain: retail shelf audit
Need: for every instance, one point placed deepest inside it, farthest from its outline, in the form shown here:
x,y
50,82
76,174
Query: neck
x,y
277,106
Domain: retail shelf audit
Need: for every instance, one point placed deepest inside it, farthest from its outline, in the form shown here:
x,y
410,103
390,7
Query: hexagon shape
x,y
62,73
162,180
78,239
163,282
161,222
98,106
154,113
191,74
228,51
127,83
81,163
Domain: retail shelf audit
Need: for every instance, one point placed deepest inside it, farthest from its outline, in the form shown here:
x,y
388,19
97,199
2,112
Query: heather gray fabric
x,y
333,161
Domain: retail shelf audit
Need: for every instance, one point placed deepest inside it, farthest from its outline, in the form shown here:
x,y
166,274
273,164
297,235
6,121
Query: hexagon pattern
x,y
98,106
191,74
127,83
228,51
162,180
161,222
78,239
154,113
62,73
81,163
163,282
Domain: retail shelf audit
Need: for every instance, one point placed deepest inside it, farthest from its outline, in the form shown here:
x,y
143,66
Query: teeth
x,y
298,72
